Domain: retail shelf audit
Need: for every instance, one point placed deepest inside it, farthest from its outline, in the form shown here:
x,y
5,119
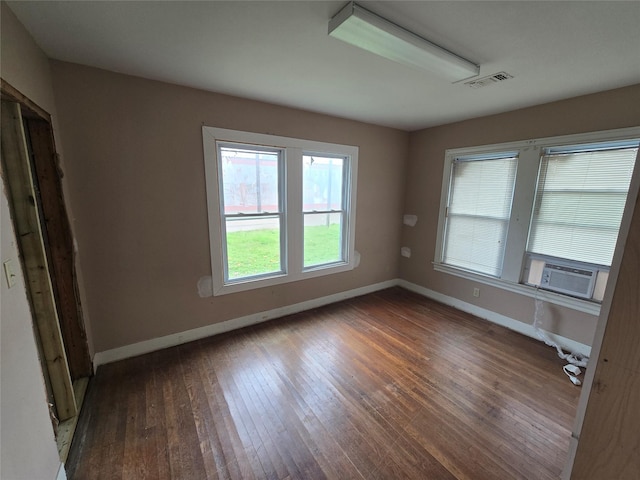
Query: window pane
x,y
250,180
478,214
322,180
483,187
322,238
476,244
253,247
579,204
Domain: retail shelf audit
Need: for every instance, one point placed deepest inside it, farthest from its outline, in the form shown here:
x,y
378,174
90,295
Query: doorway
x,y
32,181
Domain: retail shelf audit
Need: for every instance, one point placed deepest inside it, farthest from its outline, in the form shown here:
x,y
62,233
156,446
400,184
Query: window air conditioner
x,y
571,280
578,279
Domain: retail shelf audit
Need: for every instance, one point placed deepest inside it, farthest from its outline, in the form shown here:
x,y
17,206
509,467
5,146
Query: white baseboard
x,y
62,473
172,340
154,344
508,322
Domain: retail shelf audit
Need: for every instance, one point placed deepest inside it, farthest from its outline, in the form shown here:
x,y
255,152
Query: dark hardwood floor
x,y
386,386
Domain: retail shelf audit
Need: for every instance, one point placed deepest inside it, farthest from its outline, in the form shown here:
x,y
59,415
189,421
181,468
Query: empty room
x,y
320,240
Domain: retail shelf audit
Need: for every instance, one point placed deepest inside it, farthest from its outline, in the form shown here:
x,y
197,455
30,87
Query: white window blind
x,y
580,200
478,211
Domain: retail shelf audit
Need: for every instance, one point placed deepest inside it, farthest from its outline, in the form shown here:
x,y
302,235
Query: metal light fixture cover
x,y
360,27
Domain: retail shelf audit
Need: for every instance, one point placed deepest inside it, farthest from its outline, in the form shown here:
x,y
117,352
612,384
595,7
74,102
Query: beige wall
x,y
135,179
602,111
27,445
135,172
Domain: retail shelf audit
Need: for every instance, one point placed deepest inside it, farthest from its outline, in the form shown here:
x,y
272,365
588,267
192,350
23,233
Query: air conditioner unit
x,y
568,279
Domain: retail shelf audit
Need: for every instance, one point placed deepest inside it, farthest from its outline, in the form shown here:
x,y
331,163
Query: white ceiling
x,y
280,52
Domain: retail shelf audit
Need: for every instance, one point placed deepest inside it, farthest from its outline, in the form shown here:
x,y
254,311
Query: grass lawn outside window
x,y
253,251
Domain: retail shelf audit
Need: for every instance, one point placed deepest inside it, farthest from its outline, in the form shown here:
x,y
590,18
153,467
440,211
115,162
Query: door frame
x,y
32,181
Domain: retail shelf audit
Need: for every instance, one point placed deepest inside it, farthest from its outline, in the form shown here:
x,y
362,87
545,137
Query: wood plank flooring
x,y
386,386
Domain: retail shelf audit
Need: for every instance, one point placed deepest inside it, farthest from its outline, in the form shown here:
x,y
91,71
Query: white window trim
x,y
294,219
523,198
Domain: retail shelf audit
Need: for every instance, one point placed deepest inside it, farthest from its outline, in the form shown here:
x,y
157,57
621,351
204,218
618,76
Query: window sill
x,y
242,285
585,306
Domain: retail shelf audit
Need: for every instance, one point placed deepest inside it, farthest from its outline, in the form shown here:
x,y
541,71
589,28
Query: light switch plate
x,y
9,273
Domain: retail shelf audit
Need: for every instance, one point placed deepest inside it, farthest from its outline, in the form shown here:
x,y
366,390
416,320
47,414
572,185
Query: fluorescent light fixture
x,y
360,27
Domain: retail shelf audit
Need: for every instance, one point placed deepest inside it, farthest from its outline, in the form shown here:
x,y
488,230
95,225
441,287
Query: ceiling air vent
x,y
489,80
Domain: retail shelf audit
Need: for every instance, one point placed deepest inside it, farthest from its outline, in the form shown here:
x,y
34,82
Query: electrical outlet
x,y
476,292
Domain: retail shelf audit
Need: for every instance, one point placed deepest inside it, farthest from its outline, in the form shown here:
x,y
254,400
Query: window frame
x,y
573,190
530,153
292,224
344,207
280,214
449,215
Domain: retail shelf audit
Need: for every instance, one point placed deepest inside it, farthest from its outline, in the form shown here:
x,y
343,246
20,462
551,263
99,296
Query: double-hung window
x,y
324,208
478,211
251,200
580,199
543,213
280,209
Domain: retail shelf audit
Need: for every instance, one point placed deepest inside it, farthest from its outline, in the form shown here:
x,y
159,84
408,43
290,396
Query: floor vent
x,y
489,80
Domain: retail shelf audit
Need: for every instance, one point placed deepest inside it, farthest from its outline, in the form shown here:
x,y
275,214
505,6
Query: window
x,y
252,209
477,216
580,199
323,208
280,209
515,215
